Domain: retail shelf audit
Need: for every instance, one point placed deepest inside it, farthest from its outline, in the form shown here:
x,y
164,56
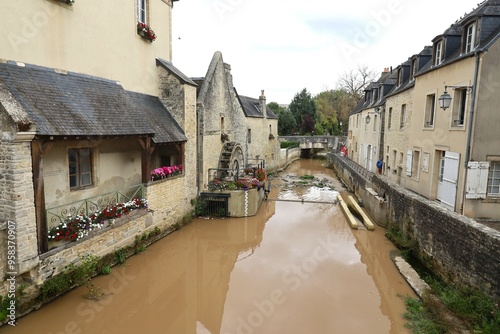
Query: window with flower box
x,y
143,28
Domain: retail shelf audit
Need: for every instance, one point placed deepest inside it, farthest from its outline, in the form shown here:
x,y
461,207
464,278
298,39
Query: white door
x,y
448,177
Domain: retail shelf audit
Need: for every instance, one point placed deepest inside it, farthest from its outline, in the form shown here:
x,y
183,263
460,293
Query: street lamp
x,y
445,98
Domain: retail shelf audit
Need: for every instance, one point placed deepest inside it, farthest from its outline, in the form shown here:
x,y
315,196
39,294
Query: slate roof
x,y
166,128
71,104
174,70
251,107
386,79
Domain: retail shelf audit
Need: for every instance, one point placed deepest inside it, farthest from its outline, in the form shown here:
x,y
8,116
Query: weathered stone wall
x,y
396,139
287,156
17,201
455,247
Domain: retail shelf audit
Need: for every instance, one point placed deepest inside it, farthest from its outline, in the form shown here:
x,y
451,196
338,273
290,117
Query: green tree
x,y
286,121
301,106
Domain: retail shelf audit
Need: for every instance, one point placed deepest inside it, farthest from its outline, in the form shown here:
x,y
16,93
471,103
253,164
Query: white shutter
x,y
477,179
409,162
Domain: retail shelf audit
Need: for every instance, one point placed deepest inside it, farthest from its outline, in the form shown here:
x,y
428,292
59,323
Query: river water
x,y
296,267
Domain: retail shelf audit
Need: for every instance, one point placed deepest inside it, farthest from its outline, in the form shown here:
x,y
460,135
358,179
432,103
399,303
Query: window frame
x,y
402,119
79,174
438,52
470,37
430,111
493,169
142,11
414,69
459,108
389,118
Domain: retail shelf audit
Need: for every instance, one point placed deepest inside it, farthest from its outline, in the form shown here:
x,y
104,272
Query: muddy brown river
x,y
296,267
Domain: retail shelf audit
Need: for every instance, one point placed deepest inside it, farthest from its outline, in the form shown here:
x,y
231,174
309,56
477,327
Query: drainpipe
x,y
469,132
472,105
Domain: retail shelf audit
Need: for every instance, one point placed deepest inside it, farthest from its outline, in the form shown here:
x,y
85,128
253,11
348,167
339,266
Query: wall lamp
x,y
445,99
368,119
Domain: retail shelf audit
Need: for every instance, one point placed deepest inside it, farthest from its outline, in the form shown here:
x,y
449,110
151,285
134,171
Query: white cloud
x,y
284,46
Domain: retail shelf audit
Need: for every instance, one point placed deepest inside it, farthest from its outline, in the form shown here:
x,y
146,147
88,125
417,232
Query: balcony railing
x,y
88,206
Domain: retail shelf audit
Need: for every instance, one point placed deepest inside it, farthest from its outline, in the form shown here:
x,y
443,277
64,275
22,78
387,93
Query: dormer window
x,y
375,95
438,53
470,37
400,77
414,69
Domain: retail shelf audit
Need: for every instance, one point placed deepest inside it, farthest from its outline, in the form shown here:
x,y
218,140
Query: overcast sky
x,y
283,46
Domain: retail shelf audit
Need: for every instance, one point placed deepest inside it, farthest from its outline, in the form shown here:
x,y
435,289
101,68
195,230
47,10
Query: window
x,y
389,118
438,53
430,104
375,123
80,167
403,117
142,11
415,163
414,69
400,77
470,38
425,163
459,106
441,166
249,135
494,178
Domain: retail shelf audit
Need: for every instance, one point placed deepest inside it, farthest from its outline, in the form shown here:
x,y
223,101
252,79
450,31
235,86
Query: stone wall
x,y
287,156
455,247
17,203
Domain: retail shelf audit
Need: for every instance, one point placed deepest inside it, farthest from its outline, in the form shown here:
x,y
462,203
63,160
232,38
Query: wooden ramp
x,y
351,208
365,219
350,218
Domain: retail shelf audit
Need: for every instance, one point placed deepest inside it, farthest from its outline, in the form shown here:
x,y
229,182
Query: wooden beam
x,y
38,149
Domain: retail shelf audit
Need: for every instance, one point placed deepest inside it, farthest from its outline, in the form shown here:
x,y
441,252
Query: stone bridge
x,y
315,143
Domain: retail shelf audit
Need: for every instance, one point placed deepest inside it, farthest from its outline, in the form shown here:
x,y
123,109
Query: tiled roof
x,y
70,104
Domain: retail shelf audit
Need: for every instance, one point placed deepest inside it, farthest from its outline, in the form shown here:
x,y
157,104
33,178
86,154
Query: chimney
x,y
263,106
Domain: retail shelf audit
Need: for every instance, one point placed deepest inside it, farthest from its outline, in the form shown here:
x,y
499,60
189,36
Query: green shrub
x,y
289,144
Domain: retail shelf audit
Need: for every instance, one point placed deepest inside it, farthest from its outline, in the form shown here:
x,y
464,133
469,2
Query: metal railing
x,y
90,205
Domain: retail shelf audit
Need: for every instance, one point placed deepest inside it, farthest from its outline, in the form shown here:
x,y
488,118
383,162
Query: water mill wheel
x,y
230,161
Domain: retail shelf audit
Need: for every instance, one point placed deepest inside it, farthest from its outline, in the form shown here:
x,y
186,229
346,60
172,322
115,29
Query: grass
x,y
438,311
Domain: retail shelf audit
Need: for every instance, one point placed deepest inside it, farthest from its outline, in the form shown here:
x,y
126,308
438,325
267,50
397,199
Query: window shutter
x,y
477,179
409,162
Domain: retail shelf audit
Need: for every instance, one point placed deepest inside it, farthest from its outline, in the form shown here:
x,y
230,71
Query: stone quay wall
x,y
456,248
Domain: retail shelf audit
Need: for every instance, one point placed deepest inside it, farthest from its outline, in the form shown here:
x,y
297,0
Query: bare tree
x,y
355,80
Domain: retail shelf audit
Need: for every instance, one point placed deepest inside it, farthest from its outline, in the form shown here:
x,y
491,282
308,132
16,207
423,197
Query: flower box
x,y
146,32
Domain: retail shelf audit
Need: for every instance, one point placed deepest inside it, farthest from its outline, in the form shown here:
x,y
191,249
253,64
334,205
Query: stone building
x,y
81,133
439,120
234,131
93,122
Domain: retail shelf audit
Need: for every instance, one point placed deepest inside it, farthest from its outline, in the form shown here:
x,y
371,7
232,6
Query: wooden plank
x,y
350,218
366,220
